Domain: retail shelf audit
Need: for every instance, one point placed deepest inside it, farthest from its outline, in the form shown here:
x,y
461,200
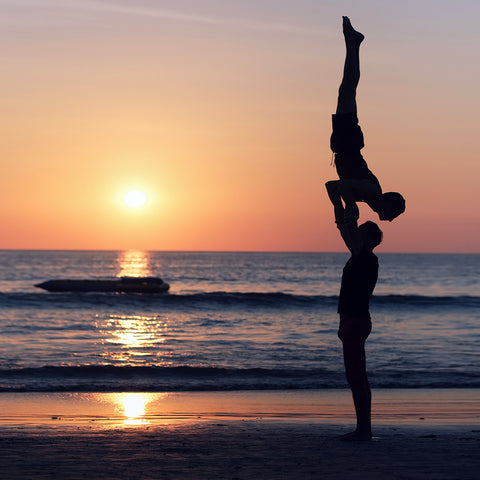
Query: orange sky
x,y
221,115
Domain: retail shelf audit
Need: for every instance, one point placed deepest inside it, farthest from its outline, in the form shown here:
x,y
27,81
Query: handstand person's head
x,y
371,234
391,206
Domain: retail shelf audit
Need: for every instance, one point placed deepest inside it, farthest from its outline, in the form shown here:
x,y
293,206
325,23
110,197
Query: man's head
x,y
391,206
371,234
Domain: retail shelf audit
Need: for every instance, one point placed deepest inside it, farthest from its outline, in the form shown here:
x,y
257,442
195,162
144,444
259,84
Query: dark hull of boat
x,y
121,285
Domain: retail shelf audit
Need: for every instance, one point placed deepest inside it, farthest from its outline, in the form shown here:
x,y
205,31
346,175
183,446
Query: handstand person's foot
x,y
356,436
351,35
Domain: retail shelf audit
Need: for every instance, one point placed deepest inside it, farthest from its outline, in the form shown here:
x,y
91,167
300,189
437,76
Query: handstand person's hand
x,y
333,189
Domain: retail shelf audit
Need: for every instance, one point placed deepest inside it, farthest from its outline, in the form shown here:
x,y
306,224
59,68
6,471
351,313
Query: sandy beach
x,y
428,434
240,449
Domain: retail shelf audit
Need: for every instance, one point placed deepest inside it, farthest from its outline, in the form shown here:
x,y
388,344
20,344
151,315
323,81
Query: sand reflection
x,y
134,263
133,406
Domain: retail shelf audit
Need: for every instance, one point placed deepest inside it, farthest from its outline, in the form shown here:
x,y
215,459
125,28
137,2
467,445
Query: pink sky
x,y
220,114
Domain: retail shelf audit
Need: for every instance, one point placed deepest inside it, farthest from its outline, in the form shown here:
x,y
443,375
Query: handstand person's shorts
x,y
347,141
353,328
347,136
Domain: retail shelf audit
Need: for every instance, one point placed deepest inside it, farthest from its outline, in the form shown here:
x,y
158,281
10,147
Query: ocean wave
x,y
463,301
186,378
219,299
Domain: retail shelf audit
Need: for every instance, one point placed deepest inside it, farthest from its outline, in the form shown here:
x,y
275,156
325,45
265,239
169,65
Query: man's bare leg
x,y
356,372
362,400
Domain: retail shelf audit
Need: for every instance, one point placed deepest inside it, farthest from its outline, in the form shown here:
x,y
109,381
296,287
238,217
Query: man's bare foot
x,y
356,436
351,35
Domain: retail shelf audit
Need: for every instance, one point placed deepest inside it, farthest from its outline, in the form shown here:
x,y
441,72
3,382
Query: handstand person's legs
x,y
351,73
347,138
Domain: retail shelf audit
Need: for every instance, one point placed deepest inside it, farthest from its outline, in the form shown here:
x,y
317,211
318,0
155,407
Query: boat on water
x,y
121,284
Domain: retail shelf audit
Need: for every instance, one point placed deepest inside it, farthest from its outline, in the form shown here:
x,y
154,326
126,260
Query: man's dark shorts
x,y
347,136
354,329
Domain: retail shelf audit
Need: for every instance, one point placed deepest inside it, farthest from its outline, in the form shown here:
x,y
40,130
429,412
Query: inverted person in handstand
x,y
357,183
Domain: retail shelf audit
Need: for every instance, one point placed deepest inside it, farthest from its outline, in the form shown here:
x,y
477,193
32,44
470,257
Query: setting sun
x,y
135,198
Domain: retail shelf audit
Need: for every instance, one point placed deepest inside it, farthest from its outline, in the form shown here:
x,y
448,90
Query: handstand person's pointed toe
x,y
350,33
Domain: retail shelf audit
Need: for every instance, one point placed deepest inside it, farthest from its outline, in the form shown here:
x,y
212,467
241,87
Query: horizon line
x,y
219,251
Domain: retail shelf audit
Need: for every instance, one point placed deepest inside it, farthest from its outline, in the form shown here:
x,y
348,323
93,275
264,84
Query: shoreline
x,y
418,434
417,407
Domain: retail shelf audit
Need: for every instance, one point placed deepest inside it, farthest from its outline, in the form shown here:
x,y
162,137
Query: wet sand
x,y
427,434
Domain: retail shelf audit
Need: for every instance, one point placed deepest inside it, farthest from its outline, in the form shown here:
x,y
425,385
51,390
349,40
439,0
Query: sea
x,y
232,321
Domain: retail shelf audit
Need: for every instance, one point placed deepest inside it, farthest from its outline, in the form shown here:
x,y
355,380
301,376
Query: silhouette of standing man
x,y
358,282
361,270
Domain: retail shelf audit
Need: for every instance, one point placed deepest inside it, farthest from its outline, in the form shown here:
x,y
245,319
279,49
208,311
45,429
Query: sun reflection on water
x,y
134,263
136,331
133,339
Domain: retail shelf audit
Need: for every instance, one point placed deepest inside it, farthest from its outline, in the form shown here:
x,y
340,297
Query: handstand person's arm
x,y
346,188
348,230
346,191
333,189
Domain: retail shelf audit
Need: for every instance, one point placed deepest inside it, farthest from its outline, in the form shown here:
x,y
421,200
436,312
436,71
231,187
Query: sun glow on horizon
x,y
135,198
